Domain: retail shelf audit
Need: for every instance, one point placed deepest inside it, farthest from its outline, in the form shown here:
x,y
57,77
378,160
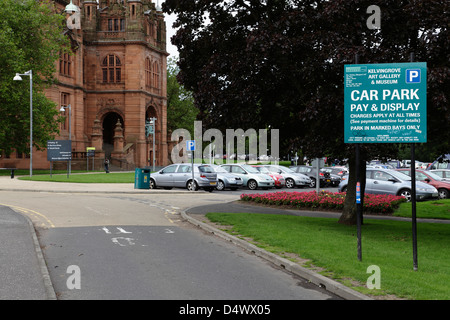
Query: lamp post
x,y
19,78
63,108
153,124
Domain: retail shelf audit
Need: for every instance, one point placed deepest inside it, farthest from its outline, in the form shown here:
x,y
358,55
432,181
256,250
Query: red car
x,y
277,178
429,177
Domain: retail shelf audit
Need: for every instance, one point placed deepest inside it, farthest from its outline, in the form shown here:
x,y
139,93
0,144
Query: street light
x,y
63,108
19,78
153,124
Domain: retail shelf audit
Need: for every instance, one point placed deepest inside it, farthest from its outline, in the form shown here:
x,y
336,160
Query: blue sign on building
x,y
385,103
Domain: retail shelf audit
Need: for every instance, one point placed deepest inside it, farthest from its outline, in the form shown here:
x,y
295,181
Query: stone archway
x,y
109,122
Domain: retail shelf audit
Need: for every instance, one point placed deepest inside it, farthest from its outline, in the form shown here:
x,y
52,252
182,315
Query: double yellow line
x,y
32,214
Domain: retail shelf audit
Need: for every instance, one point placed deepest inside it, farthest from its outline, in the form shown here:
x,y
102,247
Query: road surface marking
x,y
31,213
129,240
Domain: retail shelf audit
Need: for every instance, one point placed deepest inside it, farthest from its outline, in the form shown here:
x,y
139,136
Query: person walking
x,y
107,165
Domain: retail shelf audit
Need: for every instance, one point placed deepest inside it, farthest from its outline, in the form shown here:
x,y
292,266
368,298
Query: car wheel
x,y
290,183
406,193
220,185
344,189
443,194
192,185
252,185
312,184
152,184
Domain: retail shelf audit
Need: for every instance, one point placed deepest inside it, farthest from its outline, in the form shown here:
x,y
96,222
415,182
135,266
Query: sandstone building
x,y
114,82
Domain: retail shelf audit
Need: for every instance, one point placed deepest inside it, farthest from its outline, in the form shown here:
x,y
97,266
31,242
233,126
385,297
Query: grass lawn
x,y
433,209
114,177
26,172
332,246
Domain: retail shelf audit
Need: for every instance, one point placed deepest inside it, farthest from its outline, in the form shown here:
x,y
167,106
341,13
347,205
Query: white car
x,y
292,179
226,179
251,177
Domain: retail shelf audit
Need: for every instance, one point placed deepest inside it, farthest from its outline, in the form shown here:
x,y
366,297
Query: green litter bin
x,y
142,178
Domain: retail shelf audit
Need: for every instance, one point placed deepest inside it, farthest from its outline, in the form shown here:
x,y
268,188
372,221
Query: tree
x,y
31,38
181,112
281,63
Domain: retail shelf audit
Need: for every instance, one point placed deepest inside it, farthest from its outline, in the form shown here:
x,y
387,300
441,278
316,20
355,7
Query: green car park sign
x,y
385,103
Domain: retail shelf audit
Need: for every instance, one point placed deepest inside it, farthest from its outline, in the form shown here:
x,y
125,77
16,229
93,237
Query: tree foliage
x,y
281,63
181,112
31,38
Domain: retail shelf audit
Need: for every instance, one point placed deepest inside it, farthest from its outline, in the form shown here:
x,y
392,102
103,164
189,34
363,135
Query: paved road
x,y
136,246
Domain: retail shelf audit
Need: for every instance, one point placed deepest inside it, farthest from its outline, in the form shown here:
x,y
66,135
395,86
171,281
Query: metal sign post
x,y
190,146
90,152
413,75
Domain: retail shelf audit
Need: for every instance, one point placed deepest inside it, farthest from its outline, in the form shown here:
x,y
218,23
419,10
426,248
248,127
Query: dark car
x,y
326,178
432,179
339,171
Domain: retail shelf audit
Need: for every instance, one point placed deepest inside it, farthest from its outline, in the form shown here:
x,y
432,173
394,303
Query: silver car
x,y
293,179
251,177
226,179
180,176
386,181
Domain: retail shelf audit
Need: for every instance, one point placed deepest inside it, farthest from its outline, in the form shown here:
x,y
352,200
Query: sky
x,y
170,19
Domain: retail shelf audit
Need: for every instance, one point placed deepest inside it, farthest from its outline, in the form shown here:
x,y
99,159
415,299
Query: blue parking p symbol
x,y
412,75
190,145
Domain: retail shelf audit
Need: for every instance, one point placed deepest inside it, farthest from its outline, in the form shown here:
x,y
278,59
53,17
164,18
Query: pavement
x,y
23,271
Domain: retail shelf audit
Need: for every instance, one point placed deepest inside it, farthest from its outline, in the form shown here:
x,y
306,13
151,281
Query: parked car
x,y
442,162
432,179
337,170
326,178
380,166
443,173
292,179
251,177
384,165
386,181
180,176
226,179
278,179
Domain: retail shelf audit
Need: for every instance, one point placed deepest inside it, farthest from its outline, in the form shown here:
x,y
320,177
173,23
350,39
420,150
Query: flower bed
x,y
325,200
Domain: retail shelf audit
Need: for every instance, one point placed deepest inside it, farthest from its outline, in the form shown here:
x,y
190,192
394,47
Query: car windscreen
x,y
219,169
434,176
250,169
399,175
286,169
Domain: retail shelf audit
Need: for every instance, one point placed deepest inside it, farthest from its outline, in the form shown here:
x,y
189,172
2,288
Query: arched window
x,y
148,73
112,69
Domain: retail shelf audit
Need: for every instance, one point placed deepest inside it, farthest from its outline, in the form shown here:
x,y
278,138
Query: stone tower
x,y
115,78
